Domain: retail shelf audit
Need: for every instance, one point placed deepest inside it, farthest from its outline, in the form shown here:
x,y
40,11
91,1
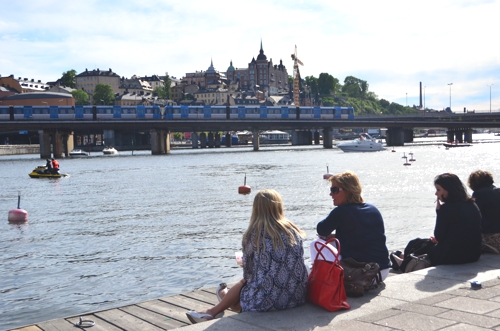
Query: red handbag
x,y
325,286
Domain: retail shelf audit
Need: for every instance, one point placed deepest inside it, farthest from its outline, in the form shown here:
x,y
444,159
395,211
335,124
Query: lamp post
x,y
490,95
450,94
406,99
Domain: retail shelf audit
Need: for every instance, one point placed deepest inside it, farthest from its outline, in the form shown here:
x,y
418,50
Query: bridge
x,y
56,134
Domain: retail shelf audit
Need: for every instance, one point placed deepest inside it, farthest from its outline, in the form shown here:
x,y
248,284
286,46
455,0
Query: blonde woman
x,y
358,225
274,273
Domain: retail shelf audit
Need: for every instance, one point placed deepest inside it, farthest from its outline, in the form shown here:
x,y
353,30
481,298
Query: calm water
x,y
123,229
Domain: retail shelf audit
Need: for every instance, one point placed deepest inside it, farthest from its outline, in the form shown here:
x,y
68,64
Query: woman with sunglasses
x,y
358,225
274,273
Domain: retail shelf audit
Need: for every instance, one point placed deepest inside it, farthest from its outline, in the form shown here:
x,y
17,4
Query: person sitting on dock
x,y
274,273
358,225
487,198
55,166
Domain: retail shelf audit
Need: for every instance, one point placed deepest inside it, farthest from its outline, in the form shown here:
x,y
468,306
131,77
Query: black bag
x,y
417,263
360,276
416,247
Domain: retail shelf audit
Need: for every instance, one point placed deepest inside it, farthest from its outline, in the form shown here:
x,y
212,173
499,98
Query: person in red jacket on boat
x,y
55,166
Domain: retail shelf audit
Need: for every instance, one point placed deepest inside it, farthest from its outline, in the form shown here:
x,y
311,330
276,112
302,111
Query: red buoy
x,y
244,189
18,215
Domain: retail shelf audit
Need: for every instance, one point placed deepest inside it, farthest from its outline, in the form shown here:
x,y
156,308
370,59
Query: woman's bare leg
x,y
230,300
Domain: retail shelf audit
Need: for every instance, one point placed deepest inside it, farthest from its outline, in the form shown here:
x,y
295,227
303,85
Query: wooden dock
x,y
165,313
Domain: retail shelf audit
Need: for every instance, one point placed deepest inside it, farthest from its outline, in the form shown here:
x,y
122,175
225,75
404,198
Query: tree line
x,y
328,91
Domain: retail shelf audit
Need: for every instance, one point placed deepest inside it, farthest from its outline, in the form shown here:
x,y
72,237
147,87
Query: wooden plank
x,y
56,325
126,321
209,298
100,324
186,303
159,320
166,309
29,328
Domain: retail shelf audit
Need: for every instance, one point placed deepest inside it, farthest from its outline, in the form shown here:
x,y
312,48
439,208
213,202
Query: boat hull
x,y
78,153
457,145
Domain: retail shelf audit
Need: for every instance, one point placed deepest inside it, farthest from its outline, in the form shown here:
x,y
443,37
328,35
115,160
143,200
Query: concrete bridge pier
x,y
194,139
408,135
217,140
395,137
316,137
468,136
327,138
211,142
256,140
450,136
160,142
109,137
203,140
45,148
68,143
300,138
229,141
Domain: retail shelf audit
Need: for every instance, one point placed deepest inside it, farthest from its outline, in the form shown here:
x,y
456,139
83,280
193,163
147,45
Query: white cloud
x,y
392,44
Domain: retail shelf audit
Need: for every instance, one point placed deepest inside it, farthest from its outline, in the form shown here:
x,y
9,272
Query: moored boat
x,y
365,143
457,145
274,137
78,153
41,172
109,150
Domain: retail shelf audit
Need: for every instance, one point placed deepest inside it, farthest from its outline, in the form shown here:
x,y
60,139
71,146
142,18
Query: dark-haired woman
x,y
457,234
487,198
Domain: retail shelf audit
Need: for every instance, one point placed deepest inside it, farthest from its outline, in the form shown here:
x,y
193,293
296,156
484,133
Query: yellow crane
x,y
296,78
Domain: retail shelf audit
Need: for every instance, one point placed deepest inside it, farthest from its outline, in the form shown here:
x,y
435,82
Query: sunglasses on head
x,y
335,189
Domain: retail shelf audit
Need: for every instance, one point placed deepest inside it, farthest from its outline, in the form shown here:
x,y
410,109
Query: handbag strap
x,y
319,246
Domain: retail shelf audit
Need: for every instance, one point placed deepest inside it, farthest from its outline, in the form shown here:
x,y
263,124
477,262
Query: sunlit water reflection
x,y
127,228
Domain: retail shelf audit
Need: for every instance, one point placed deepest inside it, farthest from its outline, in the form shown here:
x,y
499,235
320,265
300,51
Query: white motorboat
x,y
274,137
109,151
365,143
78,153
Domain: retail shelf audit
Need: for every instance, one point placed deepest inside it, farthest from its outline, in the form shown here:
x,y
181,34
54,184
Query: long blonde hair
x,y
349,182
268,219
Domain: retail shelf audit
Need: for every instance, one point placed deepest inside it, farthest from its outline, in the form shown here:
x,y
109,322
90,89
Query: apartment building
x,y
88,80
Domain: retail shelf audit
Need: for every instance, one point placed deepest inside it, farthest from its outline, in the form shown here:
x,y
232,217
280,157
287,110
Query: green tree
x,y
160,92
355,87
81,98
103,94
69,78
384,103
326,84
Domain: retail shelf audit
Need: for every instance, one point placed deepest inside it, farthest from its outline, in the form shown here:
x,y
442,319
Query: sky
x,y
392,44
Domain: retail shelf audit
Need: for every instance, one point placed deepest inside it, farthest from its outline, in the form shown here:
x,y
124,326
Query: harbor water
x,y
127,228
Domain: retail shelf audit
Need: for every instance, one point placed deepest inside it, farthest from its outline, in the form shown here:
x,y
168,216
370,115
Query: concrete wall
x,y
19,149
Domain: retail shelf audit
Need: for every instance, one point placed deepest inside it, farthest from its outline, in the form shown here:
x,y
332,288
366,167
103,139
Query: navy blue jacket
x,y
488,201
360,229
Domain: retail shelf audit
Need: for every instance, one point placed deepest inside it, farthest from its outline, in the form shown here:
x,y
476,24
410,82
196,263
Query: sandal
x,y
195,317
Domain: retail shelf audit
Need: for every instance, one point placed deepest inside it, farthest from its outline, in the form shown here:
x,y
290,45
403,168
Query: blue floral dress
x,y
275,279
